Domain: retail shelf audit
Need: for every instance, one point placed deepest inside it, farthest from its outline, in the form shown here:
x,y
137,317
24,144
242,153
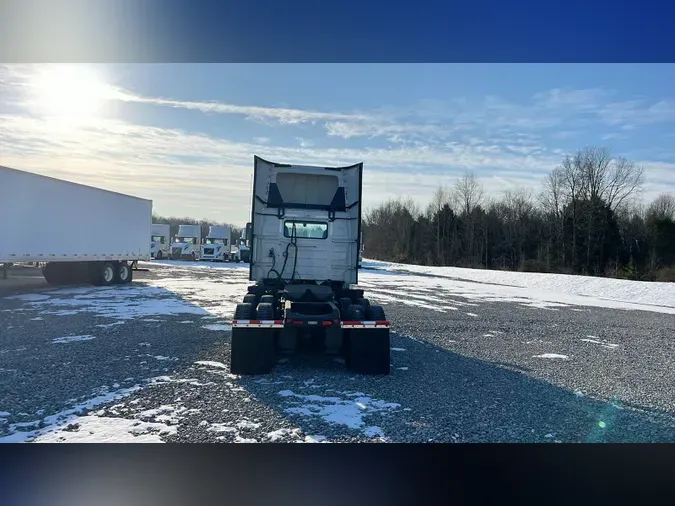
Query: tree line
x,y
587,220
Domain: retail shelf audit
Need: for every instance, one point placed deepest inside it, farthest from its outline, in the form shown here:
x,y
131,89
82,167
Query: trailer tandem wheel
x,y
123,273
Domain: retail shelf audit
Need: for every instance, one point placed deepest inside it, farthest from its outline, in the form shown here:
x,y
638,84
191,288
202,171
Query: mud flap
x,y
252,351
368,350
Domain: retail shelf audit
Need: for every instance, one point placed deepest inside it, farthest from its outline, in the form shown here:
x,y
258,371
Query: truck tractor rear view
x,y
305,245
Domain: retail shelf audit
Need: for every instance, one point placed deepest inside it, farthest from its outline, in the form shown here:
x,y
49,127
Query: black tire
x,y
194,256
354,313
268,299
243,311
102,273
363,302
375,313
345,302
123,273
250,298
265,311
159,255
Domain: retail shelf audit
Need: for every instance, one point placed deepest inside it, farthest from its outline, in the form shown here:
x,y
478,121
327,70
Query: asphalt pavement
x,y
150,362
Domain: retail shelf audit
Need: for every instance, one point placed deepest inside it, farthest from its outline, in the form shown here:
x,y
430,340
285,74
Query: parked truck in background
x,y
78,233
160,246
217,244
241,251
187,243
305,244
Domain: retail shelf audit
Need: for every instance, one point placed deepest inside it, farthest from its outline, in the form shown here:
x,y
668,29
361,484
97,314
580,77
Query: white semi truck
x,y
241,250
217,244
160,244
187,243
305,245
78,233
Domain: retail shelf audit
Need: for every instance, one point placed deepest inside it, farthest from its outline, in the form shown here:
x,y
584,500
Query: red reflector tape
x,y
365,324
258,324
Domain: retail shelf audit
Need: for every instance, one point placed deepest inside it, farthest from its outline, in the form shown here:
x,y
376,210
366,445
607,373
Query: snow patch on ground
x,y
71,339
64,418
220,326
118,302
279,434
315,439
102,429
601,342
211,363
28,297
108,325
349,410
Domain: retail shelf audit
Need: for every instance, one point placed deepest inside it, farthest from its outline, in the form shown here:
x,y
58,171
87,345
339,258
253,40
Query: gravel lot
x,y
149,362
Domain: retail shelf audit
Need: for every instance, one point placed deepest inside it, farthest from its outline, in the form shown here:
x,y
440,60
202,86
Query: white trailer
x,y
187,243
217,244
79,233
160,243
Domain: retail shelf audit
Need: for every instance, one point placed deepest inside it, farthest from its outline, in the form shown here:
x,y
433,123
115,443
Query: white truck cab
x,y
217,244
159,241
186,244
305,254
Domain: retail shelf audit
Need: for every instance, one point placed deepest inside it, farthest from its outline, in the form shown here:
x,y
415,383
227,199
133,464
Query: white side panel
x,y
44,219
161,229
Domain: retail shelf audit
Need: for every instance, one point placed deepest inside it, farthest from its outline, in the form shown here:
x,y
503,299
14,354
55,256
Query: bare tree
x,y
468,193
663,208
623,183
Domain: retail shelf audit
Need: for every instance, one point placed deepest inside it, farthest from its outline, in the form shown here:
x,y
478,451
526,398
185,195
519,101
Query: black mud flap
x,y
368,351
253,351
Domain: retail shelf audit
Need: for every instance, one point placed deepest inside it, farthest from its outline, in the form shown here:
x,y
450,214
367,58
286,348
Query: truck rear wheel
x,y
253,350
345,302
354,313
265,311
159,255
123,273
375,313
102,274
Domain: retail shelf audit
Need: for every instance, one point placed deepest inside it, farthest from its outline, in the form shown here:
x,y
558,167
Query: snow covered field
x,y
149,362
535,287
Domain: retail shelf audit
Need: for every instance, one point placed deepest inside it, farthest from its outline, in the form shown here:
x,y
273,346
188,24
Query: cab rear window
x,y
306,229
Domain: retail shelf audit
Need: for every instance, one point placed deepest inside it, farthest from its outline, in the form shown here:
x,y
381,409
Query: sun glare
x,y
69,92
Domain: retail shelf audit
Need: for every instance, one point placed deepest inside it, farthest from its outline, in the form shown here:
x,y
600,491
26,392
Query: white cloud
x,y
188,173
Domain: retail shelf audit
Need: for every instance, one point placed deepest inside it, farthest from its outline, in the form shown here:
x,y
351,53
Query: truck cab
x,y
241,251
305,251
159,241
186,244
217,244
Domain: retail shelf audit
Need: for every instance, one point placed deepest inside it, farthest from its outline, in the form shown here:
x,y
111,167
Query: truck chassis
x,y
273,321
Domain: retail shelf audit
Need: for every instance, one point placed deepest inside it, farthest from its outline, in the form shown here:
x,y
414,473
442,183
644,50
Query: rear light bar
x,y
325,323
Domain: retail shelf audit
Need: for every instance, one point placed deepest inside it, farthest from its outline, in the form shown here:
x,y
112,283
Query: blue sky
x,y
184,135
